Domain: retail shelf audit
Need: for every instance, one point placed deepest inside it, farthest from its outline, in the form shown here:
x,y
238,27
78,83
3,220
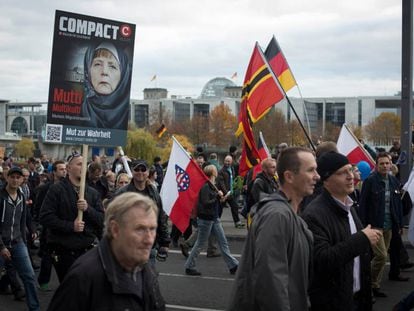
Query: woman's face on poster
x,y
105,73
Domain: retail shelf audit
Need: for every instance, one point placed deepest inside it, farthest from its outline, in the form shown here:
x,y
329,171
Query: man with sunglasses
x,y
140,184
69,237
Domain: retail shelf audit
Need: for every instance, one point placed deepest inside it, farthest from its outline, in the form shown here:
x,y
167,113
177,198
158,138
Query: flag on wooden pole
x,y
182,183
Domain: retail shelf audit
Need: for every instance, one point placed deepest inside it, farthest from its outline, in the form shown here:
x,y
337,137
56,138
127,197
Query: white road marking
x,y
199,277
190,308
174,251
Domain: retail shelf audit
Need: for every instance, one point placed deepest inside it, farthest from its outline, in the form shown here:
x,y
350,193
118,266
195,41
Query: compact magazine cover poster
x,y
90,80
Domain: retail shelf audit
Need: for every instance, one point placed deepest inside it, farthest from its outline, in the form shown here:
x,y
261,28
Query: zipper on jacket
x,y
4,211
12,224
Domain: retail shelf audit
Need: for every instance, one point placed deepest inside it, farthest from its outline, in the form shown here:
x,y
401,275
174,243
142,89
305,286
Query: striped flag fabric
x,y
279,65
264,153
161,130
182,183
260,90
350,147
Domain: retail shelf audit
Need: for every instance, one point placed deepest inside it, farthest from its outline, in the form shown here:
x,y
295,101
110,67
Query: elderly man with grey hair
x,y
116,274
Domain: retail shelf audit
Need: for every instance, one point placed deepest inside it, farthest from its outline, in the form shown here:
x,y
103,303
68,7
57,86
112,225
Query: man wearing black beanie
x,y
341,257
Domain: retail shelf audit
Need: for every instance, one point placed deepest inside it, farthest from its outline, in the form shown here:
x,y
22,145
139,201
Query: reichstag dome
x,y
215,88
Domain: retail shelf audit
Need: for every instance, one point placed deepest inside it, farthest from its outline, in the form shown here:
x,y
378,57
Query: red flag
x,y
260,90
279,65
350,147
250,155
264,153
182,183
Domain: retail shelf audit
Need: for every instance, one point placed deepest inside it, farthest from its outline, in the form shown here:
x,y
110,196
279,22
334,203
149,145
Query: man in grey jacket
x,y
274,270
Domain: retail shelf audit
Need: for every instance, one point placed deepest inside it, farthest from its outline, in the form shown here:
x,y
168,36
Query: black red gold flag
x,y
260,90
279,65
161,130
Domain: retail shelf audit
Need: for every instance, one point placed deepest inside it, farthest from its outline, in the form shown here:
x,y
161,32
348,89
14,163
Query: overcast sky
x,y
334,47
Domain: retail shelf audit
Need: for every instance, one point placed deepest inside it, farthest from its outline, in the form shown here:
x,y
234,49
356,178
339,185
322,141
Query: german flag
x,y
260,90
162,129
279,65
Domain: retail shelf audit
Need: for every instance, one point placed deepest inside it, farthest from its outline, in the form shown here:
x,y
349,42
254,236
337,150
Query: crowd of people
x,y
318,233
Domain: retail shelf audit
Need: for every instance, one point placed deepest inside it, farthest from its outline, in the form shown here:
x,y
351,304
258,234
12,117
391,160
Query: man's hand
x,y
78,225
373,235
5,253
82,205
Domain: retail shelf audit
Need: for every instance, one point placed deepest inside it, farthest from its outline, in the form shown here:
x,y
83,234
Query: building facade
x,y
29,119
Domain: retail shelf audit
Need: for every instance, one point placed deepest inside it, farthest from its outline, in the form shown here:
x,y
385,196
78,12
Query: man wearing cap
x,y
68,236
140,184
342,252
380,206
13,249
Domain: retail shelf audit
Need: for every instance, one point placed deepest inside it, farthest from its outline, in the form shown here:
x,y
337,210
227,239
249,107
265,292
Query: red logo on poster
x,y
126,31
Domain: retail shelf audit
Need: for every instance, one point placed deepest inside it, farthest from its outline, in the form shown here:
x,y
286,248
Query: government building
x,y
28,119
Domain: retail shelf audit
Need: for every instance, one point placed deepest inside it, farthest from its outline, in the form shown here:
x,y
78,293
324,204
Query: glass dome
x,y
215,87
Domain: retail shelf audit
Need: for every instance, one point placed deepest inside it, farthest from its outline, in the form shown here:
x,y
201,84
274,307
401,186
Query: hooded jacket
x,y
12,219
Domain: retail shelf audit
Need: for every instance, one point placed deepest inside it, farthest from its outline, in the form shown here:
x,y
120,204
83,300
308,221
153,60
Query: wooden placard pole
x,y
83,177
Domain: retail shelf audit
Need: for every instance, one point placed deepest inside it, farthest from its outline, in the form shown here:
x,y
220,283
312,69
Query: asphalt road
x,y
211,290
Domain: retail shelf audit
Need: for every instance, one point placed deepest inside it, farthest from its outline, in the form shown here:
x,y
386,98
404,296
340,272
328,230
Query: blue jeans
x,y
407,303
205,227
21,262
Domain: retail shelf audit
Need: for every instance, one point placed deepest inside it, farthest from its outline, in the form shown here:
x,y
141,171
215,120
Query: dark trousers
x,y
234,209
10,278
63,260
395,252
46,263
176,233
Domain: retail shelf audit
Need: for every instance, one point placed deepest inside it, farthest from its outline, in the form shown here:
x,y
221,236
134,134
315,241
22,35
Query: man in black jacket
x,y
58,173
116,274
381,207
342,252
225,183
265,182
141,185
68,236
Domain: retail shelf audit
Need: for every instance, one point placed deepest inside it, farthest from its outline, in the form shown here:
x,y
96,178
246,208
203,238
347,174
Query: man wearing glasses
x,y
140,184
342,247
69,237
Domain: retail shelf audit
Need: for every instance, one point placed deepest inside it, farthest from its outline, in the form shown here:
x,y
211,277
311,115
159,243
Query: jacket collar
x,y
333,204
121,284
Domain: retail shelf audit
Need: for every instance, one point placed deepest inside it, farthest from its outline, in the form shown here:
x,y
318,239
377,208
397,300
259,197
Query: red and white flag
x,y
264,153
182,183
350,147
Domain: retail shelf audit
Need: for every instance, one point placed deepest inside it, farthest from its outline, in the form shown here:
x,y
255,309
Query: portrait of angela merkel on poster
x,y
107,78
